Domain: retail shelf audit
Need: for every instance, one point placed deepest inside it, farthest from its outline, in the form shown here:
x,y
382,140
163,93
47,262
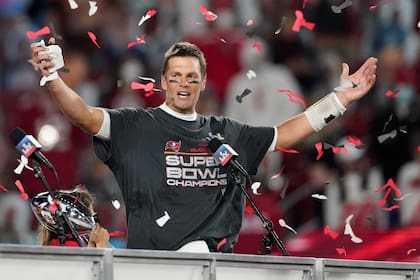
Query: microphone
x,y
28,146
224,154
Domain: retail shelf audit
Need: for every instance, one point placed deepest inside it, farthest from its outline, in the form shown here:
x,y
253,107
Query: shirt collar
x,y
186,117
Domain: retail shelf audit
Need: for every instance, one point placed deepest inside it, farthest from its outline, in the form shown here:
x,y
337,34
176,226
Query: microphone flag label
x,y
224,153
28,145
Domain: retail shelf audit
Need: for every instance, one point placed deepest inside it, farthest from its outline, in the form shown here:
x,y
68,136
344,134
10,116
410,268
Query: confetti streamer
x,y
403,197
147,79
390,184
337,9
23,194
3,188
73,4
239,98
251,74
209,16
349,231
278,30
163,220
283,224
320,149
148,15
330,233
390,93
93,38
43,31
137,42
300,21
255,186
292,96
291,151
341,251
319,196
92,8
221,243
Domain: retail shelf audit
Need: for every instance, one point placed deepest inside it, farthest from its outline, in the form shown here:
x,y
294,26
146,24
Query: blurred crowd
x,y
260,72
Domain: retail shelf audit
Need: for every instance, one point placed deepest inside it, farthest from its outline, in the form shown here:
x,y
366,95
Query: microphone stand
x,y
61,234
271,236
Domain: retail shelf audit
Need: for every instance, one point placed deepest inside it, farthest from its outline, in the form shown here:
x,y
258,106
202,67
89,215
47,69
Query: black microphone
x,y
224,154
28,146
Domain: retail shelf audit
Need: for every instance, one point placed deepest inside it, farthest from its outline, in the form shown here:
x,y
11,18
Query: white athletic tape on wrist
x,y
57,58
324,111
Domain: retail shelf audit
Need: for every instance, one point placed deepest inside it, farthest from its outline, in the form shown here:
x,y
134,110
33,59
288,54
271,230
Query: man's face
x,y
183,83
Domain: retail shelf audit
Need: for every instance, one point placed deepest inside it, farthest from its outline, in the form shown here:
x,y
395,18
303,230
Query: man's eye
x,y
193,81
173,81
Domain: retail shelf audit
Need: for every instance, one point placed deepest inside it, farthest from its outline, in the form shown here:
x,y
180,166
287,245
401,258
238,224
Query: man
x,y
177,197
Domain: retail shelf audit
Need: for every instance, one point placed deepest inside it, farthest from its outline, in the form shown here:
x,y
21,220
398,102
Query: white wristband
x,y
324,111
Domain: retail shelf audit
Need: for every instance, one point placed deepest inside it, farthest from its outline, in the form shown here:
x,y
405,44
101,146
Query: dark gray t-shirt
x,y
174,191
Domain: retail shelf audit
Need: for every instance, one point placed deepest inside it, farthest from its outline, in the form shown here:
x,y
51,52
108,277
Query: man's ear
x,y
203,83
163,82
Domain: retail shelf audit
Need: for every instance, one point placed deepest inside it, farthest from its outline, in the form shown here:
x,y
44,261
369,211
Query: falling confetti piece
x,y
418,24
92,8
341,251
3,188
283,224
23,163
320,150
255,186
221,40
221,243
250,22
304,3
391,208
43,31
137,42
163,220
319,196
116,204
337,150
291,151
410,251
403,197
251,74
148,15
209,16
349,231
73,4
330,233
300,21
256,46
383,137
292,96
278,174
355,141
23,194
147,79
93,38
373,7
339,8
239,98
390,93
278,30
117,233
390,184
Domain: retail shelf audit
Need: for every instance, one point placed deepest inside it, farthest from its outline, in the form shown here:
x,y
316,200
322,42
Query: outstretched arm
x,y
70,103
299,127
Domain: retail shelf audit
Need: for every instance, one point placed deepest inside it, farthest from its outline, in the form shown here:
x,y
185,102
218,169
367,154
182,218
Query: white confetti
x,y
349,231
23,163
283,224
403,197
147,79
73,4
255,186
92,8
163,220
251,74
116,204
418,24
319,196
382,138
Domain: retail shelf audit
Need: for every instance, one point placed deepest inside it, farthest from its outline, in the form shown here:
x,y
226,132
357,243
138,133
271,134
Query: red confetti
x,y
137,42
148,15
292,96
151,13
93,38
390,183
410,251
383,200
330,233
221,243
43,31
390,93
23,194
210,16
53,206
319,149
304,3
3,188
355,141
256,46
250,22
391,208
117,233
300,21
341,251
337,150
287,150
